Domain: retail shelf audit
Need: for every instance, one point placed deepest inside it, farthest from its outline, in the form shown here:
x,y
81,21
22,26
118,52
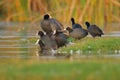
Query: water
x,y
17,40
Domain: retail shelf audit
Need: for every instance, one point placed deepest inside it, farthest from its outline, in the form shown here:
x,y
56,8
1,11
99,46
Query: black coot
x,y
75,25
46,25
94,30
77,33
46,42
50,25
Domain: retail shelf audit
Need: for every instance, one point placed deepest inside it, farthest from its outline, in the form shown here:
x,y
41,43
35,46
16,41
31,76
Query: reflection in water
x,y
17,40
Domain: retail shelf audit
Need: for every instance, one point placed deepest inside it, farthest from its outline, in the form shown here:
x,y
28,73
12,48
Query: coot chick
x,y
60,38
77,33
94,30
75,25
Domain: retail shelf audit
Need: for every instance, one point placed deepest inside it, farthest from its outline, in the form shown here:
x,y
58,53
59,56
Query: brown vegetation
x,y
96,11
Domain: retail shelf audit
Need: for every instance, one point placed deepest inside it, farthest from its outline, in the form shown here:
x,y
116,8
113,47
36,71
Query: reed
x,y
95,11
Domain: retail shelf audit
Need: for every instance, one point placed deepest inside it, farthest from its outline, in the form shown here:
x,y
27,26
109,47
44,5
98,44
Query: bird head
x,y
87,24
69,29
40,33
46,16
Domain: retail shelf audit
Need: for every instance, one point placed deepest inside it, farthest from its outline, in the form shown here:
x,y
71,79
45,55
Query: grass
x,y
82,69
88,68
104,44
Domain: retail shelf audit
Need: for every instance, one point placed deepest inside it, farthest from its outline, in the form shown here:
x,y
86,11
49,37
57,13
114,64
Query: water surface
x,y
17,40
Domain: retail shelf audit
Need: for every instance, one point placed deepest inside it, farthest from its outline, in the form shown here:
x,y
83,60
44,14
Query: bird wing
x,y
74,26
76,33
46,26
56,24
95,29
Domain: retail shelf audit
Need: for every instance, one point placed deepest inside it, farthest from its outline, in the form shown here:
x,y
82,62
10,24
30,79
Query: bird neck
x,y
88,26
46,18
73,22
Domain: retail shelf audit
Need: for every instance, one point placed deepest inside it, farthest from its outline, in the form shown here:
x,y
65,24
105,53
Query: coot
x,y
94,30
50,25
46,42
77,33
46,25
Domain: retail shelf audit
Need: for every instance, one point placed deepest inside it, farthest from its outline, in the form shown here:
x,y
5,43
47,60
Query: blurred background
x,y
105,13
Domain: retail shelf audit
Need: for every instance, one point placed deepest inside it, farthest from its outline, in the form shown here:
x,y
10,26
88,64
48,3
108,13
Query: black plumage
x,y
56,24
46,24
60,38
46,42
77,33
75,25
94,30
50,25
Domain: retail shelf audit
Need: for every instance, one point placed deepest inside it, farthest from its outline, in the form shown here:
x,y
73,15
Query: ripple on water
x,y
18,41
